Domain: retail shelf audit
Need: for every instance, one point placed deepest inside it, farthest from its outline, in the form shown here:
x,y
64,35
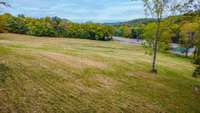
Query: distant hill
x,y
133,22
67,20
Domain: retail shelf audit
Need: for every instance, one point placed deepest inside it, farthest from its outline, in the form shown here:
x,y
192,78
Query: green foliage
x,y
137,31
188,35
55,27
149,34
124,31
196,72
3,22
129,31
165,40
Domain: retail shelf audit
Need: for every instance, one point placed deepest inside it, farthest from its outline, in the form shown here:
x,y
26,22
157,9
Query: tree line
x,y
54,27
183,30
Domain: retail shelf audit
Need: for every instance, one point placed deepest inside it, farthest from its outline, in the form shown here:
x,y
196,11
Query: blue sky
x,y
79,10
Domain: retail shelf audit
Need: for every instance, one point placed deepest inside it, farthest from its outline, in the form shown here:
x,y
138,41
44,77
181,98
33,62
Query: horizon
x,y
80,11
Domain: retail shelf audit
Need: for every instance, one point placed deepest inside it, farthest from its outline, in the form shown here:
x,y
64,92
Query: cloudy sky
x,y
79,10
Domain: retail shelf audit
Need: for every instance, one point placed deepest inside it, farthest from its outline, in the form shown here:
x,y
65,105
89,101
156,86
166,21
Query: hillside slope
x,y
133,22
56,75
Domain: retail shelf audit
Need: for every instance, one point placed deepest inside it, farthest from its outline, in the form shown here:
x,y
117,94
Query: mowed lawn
x,y
60,75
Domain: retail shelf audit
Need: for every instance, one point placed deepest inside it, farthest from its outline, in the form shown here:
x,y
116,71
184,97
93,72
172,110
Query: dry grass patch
x,y
73,61
105,81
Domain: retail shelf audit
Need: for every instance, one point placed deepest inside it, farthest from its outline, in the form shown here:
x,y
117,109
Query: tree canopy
x,y
54,27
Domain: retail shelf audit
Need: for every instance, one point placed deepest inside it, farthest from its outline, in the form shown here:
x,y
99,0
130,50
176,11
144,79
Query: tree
x,y
3,18
17,25
197,40
123,31
4,21
174,24
194,10
126,31
56,23
156,8
188,32
137,31
149,33
159,9
165,36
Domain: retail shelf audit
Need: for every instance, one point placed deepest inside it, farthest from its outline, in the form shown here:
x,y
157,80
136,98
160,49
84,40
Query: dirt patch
x,y
74,61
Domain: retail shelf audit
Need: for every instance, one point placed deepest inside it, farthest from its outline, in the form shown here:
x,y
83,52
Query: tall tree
x,y
188,34
155,8
159,9
194,9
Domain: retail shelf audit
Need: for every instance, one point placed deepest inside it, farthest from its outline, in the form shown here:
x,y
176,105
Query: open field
x,y
56,75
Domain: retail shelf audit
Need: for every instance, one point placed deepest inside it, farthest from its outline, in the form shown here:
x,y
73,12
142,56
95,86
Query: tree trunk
x,y
186,52
198,52
195,53
155,47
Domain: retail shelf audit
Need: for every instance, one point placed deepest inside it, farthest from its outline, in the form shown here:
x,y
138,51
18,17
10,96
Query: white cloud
x,y
80,10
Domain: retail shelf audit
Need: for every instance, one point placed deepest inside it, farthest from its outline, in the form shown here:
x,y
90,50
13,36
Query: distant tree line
x,y
183,30
54,27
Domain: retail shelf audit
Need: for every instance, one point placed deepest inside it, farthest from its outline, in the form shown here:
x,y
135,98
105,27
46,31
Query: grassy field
x,y
56,75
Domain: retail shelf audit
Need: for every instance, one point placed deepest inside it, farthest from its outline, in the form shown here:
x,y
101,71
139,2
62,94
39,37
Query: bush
x,y
196,72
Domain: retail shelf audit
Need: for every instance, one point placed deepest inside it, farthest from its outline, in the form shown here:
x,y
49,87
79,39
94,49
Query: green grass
x,y
56,75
